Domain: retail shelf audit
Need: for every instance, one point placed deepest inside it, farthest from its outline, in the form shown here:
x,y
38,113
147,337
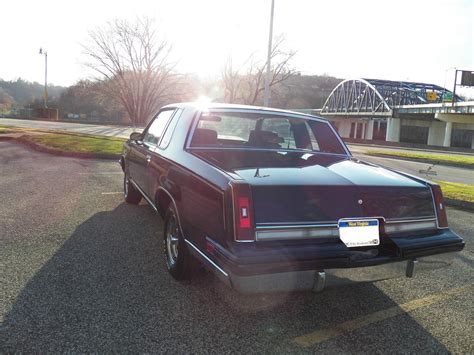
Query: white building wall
x,y
345,128
436,133
369,130
393,130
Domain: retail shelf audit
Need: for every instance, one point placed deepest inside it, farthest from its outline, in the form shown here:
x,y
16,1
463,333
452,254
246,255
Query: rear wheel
x,y
130,193
176,254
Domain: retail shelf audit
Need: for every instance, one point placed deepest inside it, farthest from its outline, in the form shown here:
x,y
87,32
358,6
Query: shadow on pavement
x,y
107,289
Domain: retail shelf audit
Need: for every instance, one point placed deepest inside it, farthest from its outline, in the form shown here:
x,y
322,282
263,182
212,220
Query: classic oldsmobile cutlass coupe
x,y
272,200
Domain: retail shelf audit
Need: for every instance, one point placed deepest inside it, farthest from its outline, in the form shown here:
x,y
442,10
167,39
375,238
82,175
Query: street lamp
x,y
266,98
41,51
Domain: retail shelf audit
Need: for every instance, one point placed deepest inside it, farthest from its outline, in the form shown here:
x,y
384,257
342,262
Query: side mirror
x,y
136,136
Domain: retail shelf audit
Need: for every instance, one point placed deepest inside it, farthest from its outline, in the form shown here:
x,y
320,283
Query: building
x,y
399,111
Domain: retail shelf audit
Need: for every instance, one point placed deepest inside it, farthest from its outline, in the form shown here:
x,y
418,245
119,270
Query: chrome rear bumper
x,y
318,280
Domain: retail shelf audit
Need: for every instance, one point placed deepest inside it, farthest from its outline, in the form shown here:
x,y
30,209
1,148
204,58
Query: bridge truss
x,y
379,97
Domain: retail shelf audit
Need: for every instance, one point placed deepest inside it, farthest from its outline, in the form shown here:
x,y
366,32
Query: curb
x,y
53,151
462,166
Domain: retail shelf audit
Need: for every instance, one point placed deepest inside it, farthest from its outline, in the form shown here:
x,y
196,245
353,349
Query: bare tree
x,y
133,64
247,86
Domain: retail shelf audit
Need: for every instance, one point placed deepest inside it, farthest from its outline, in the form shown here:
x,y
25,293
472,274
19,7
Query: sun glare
x,y
202,100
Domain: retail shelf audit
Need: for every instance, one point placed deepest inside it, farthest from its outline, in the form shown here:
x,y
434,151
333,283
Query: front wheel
x,y
176,254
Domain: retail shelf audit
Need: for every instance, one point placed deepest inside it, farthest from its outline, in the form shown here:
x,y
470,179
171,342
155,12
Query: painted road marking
x,y
112,193
325,334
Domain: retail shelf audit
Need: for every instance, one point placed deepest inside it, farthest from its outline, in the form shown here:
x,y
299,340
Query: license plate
x,y
359,232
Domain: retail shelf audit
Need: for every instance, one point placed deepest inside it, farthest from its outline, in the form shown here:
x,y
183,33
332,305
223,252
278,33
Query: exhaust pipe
x,y
319,281
411,264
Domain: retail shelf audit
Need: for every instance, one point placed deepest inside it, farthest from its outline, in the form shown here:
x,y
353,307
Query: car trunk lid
x,y
306,187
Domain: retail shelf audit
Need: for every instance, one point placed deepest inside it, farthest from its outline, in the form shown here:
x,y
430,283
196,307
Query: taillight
x,y
439,205
243,213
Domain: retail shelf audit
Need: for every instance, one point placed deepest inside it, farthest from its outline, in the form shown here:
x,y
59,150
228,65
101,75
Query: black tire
x,y
176,254
130,193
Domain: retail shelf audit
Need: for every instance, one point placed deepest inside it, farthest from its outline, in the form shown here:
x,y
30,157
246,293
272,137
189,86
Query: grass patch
x,y
457,191
79,143
456,160
7,129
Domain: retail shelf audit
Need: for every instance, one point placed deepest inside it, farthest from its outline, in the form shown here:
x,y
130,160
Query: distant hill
x,y
24,92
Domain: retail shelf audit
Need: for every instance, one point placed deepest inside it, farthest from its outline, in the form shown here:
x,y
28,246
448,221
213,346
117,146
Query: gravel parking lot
x,y
82,271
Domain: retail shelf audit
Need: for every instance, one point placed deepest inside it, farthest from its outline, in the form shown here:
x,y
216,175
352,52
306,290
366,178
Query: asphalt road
x,y
438,172
82,271
444,173
101,130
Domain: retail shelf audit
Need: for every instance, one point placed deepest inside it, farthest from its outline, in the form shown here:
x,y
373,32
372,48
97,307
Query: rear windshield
x,y
264,131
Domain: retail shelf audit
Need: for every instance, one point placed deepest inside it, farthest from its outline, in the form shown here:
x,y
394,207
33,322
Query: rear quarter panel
x,y
197,188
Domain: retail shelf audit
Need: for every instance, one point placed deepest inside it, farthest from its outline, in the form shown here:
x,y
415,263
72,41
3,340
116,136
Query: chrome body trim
x,y
295,231
143,194
208,261
294,226
399,227
409,220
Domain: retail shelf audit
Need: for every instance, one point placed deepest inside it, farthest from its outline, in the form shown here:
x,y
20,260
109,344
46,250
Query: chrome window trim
x,y
179,112
145,130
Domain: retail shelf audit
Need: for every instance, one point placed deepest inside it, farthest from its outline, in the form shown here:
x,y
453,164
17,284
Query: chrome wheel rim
x,y
172,241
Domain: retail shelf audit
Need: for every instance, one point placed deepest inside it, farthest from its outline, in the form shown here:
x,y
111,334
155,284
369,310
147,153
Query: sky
x,y
415,40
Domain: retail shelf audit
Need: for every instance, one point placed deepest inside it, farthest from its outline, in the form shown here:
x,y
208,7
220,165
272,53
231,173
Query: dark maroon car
x,y
272,200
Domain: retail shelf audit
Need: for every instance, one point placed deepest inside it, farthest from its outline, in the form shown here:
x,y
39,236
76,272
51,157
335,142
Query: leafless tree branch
x,y
134,65
247,87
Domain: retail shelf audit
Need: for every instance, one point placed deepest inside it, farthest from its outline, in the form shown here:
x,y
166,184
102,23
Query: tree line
x,y
135,77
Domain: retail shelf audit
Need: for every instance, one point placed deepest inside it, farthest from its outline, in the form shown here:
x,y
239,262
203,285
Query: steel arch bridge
x,y
363,97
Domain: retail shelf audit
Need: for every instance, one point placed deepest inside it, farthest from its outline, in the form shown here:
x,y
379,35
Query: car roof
x,y
215,105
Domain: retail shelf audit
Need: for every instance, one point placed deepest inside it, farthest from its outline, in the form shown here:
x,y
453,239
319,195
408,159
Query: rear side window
x,y
325,137
165,141
155,130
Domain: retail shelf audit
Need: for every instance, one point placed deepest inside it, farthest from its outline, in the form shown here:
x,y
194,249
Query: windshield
x,y
264,131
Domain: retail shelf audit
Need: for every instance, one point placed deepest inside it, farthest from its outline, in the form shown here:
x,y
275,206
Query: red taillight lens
x,y
439,205
244,217
243,213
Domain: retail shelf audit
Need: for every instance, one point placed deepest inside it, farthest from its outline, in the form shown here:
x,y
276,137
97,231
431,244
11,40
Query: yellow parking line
x,y
328,333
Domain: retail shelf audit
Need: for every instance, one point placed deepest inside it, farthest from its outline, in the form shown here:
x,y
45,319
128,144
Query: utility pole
x,y
455,83
266,99
41,51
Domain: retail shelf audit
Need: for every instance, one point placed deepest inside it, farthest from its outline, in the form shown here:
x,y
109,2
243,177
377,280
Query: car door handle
x,y
148,159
